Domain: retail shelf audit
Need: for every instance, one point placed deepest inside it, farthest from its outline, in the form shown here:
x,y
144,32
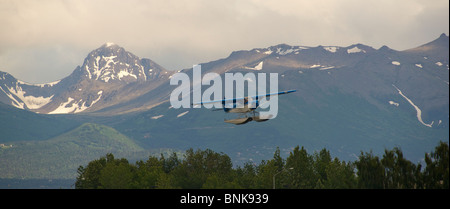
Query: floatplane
x,y
245,107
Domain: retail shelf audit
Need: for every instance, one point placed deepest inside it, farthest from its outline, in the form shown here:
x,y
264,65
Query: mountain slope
x,y
109,76
348,99
376,75
21,125
113,81
60,156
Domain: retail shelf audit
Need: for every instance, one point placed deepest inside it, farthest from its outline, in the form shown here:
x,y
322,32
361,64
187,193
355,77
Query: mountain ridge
x,y
109,75
110,69
113,81
349,100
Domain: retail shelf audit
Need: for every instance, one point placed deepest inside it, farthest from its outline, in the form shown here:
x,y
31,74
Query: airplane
x,y
230,106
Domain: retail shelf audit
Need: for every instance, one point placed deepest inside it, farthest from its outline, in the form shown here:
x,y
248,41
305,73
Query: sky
x,y
44,41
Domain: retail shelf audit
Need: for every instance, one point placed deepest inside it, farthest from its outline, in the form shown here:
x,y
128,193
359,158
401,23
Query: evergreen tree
x,y
265,173
147,173
171,163
278,160
436,175
370,171
211,170
340,175
246,176
321,162
89,176
302,176
117,175
197,166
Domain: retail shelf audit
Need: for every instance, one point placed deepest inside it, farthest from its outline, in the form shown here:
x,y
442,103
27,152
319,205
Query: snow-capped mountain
x,y
111,63
112,80
349,99
109,76
419,76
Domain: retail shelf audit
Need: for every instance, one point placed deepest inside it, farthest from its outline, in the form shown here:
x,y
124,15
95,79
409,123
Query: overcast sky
x,y
43,41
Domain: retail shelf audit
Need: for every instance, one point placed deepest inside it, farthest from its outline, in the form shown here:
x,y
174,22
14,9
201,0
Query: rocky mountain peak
x,y
112,63
443,36
442,41
437,49
109,44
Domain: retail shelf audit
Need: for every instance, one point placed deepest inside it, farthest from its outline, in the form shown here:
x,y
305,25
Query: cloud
x,y
180,33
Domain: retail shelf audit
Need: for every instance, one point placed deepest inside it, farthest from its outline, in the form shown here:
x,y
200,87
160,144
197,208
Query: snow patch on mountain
x,y
268,51
103,73
14,102
30,101
181,114
355,50
50,84
321,67
109,44
394,103
75,107
259,66
326,67
63,107
419,112
124,73
396,63
156,117
332,49
296,49
282,50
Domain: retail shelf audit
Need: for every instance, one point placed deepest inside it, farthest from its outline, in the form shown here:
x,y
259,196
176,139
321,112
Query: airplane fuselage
x,y
246,108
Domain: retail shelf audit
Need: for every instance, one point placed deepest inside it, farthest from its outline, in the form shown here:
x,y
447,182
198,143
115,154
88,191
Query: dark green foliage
x,y
370,171
393,171
303,175
436,172
340,175
206,169
399,173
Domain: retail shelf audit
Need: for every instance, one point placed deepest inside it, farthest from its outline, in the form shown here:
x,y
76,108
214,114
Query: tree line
x,y
206,169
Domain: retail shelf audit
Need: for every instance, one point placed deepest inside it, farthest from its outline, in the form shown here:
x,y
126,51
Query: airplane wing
x,y
257,97
224,102
272,94
218,101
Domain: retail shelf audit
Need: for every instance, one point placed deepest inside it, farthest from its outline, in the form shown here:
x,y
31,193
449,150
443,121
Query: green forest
x,y
206,169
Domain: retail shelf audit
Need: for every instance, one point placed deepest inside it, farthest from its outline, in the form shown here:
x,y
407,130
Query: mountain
x,y
420,74
113,81
109,76
59,157
349,99
21,125
436,50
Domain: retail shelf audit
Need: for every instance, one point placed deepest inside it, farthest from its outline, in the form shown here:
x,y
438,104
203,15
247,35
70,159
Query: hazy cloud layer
x,y
45,40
